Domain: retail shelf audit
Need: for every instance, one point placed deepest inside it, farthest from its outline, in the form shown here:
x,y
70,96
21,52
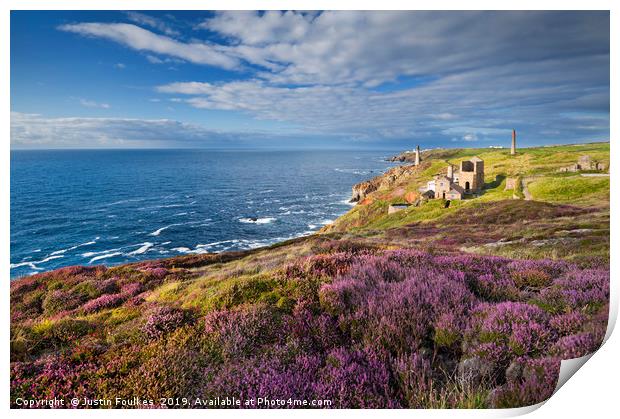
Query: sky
x,y
333,79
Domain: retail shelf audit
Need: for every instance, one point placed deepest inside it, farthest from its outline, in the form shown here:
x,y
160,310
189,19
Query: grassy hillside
x,y
537,166
468,306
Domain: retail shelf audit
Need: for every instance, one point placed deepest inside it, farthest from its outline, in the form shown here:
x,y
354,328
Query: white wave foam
x,y
263,220
187,250
17,265
159,230
353,171
61,251
89,254
108,255
124,201
33,264
145,246
209,245
179,214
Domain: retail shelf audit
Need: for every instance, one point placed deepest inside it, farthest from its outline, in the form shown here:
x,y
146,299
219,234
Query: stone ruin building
x,y
583,163
455,185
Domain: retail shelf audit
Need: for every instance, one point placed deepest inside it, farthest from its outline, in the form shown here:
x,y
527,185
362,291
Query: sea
x,y
91,207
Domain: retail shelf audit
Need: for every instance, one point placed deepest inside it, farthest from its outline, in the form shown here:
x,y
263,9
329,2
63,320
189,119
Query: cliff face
x,y
404,157
384,181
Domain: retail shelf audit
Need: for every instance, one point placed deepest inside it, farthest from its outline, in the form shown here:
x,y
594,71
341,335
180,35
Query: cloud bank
x,y
441,76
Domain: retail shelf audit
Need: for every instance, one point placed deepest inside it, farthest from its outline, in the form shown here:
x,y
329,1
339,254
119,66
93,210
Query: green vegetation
x,y
538,166
571,189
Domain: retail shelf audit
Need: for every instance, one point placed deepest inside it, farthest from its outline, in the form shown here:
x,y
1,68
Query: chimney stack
x,y
513,147
417,155
450,172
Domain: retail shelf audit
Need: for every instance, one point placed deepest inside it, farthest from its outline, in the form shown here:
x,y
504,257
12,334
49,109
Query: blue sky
x,y
114,79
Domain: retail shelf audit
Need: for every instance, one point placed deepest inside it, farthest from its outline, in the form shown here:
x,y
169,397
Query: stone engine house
x,y
469,179
471,175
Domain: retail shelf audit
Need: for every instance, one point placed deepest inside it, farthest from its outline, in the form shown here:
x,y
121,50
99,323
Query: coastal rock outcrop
x,y
388,179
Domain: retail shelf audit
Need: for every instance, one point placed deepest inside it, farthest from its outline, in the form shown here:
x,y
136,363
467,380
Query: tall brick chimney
x,y
417,155
513,147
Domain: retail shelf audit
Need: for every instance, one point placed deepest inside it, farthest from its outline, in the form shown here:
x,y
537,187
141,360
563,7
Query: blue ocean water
x,y
116,206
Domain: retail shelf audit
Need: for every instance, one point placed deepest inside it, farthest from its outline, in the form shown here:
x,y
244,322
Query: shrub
x,y
496,288
61,300
272,376
163,320
49,377
356,379
399,316
245,330
575,346
414,377
534,384
531,279
313,332
103,302
567,324
586,289
508,330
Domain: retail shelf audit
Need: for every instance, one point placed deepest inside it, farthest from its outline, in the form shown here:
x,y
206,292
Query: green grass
x,y
570,189
541,163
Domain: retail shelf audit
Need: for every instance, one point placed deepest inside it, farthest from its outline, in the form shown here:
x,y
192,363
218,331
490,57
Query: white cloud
x,y
153,22
36,131
463,75
92,104
477,105
141,39
120,66
248,28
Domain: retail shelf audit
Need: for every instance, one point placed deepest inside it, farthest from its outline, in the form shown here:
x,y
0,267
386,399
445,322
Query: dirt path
x,y
526,191
595,174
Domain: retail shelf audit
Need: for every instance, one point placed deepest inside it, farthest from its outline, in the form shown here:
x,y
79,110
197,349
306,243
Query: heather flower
x,y
270,376
103,302
60,300
414,376
315,333
164,320
507,330
320,266
448,330
132,289
575,346
356,379
567,324
577,289
496,288
535,383
243,331
107,286
399,316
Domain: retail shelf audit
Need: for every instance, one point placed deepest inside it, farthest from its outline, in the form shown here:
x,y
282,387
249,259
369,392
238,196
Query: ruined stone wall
x,y
442,186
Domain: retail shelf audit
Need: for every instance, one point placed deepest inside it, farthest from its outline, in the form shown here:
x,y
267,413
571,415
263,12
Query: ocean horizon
x,y
91,207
